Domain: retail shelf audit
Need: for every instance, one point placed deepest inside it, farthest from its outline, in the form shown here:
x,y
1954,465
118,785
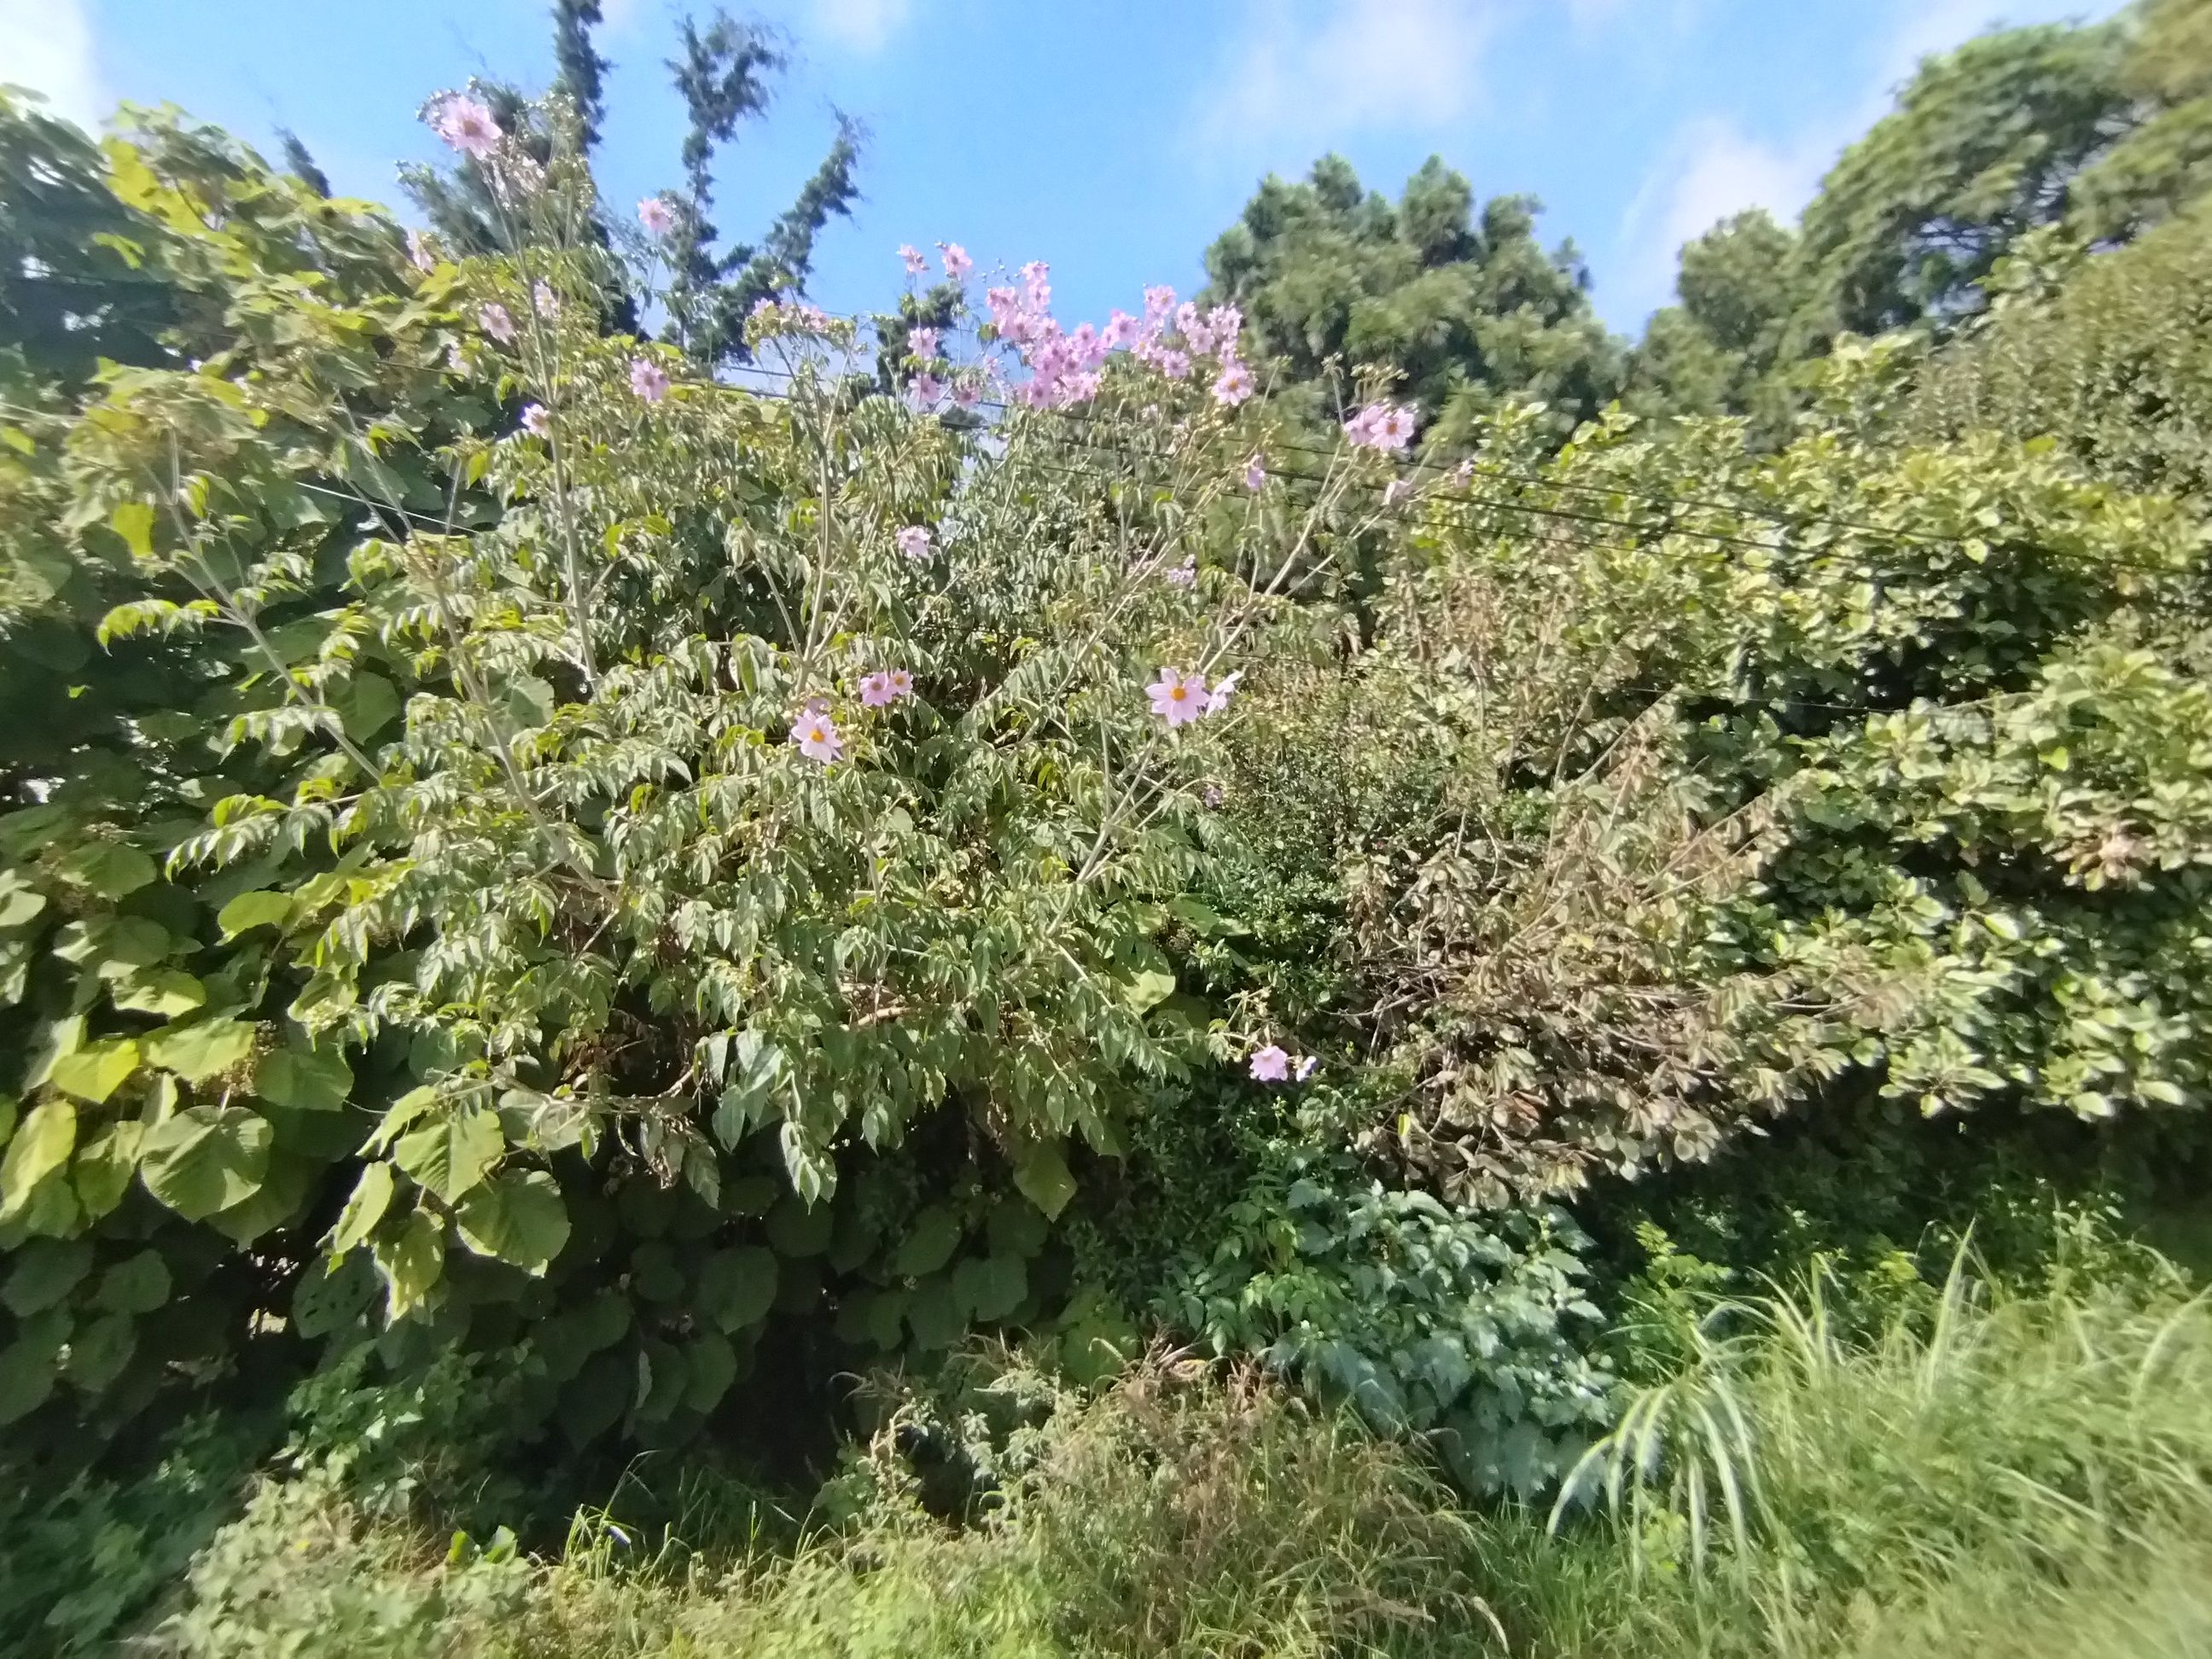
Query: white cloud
x,y
46,44
1304,73
863,25
1713,168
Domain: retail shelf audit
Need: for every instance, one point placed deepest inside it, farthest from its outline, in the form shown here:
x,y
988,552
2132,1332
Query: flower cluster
x,y
880,690
1179,698
1275,1064
1385,427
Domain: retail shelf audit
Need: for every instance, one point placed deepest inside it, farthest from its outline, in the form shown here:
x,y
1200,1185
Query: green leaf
x,y
366,705
1147,989
134,522
201,1049
255,909
412,1259
20,902
991,1287
45,1271
110,868
928,1244
710,1364
99,1352
1041,1175
326,1303
136,1285
104,1164
283,1191
450,1156
932,1314
205,1158
26,1377
737,1287
96,1070
800,1229
168,992
515,1217
303,1078
41,1145
371,1197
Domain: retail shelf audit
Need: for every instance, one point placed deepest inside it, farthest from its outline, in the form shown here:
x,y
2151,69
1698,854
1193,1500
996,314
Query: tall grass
x,y
2023,1477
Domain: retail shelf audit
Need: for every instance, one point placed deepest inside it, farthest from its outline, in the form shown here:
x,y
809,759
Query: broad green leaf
x,y
284,1189
798,1229
97,1070
710,1366
28,1370
371,1197
168,992
450,1157
136,1285
43,1271
367,703
251,910
991,1287
518,1218
737,1287
134,522
201,1049
930,1240
1041,1175
42,1144
412,1259
110,868
1147,989
99,1352
932,1314
303,1078
20,902
104,1164
205,1158
328,1301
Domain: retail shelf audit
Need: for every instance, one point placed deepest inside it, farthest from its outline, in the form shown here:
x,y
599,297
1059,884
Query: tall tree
x,y
1468,312
1710,354
582,71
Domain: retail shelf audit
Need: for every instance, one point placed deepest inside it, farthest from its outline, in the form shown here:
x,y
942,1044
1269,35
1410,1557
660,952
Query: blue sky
x,y
1114,138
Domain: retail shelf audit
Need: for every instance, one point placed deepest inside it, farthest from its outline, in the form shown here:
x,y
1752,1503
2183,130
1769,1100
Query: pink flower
x,y
880,690
649,380
1385,427
1089,348
1271,1064
817,737
1305,1067
466,124
912,258
957,264
1034,276
1217,699
1463,474
1173,364
1234,385
496,323
1120,332
1256,473
1158,302
913,541
656,216
537,421
1177,697
1193,328
1227,323
547,301
1184,574
1004,304
927,389
922,343
966,394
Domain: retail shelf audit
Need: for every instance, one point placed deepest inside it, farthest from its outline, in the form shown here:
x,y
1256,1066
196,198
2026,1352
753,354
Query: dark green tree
x,y
301,162
1710,353
1467,312
724,74
1985,145
582,71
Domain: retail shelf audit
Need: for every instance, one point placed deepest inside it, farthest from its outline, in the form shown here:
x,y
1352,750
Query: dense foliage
x,y
550,901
